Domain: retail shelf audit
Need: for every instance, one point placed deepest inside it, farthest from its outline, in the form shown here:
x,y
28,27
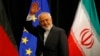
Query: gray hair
x,y
44,13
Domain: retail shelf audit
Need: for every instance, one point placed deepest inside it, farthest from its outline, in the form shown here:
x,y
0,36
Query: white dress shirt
x,y
31,17
46,33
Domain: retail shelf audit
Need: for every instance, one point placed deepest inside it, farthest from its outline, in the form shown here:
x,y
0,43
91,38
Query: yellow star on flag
x,y
28,52
24,40
33,18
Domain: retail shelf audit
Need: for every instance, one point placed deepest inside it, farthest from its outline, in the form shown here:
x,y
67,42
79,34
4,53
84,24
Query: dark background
x,y
62,12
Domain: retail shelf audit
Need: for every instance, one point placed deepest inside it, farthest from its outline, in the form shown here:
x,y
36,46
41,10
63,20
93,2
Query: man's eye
x,y
46,19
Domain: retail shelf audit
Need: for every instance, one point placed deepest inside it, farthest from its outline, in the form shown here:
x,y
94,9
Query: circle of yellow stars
x,y
28,51
25,40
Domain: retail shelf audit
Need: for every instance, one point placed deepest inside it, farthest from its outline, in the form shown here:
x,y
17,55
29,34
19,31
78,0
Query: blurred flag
x,y
84,37
8,45
28,42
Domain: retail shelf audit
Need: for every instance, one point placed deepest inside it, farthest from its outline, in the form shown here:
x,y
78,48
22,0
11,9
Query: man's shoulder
x,y
58,28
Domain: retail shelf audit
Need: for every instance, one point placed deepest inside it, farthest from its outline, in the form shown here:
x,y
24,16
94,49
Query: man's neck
x,y
49,28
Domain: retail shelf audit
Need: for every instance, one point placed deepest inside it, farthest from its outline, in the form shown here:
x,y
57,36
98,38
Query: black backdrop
x,y
62,11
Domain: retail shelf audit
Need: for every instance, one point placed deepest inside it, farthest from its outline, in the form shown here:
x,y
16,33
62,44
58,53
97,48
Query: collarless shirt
x,y
46,33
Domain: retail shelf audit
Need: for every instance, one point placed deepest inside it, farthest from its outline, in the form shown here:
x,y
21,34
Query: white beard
x,y
47,28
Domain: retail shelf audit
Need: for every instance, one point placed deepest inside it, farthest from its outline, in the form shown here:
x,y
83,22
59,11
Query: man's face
x,y
45,21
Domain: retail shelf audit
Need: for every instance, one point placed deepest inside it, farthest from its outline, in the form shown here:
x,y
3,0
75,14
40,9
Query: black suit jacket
x,y
56,43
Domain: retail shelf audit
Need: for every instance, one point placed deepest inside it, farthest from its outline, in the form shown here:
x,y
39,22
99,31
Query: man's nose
x,y
45,22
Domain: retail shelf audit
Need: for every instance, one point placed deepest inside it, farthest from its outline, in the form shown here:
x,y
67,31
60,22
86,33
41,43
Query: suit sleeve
x,y
30,28
63,44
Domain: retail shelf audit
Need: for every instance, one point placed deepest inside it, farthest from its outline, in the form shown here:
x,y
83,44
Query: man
x,y
52,41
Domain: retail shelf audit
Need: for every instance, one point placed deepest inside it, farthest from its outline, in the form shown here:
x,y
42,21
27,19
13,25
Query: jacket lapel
x,y
49,36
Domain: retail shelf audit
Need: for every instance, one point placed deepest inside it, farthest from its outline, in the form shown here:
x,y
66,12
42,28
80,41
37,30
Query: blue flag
x,y
28,42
